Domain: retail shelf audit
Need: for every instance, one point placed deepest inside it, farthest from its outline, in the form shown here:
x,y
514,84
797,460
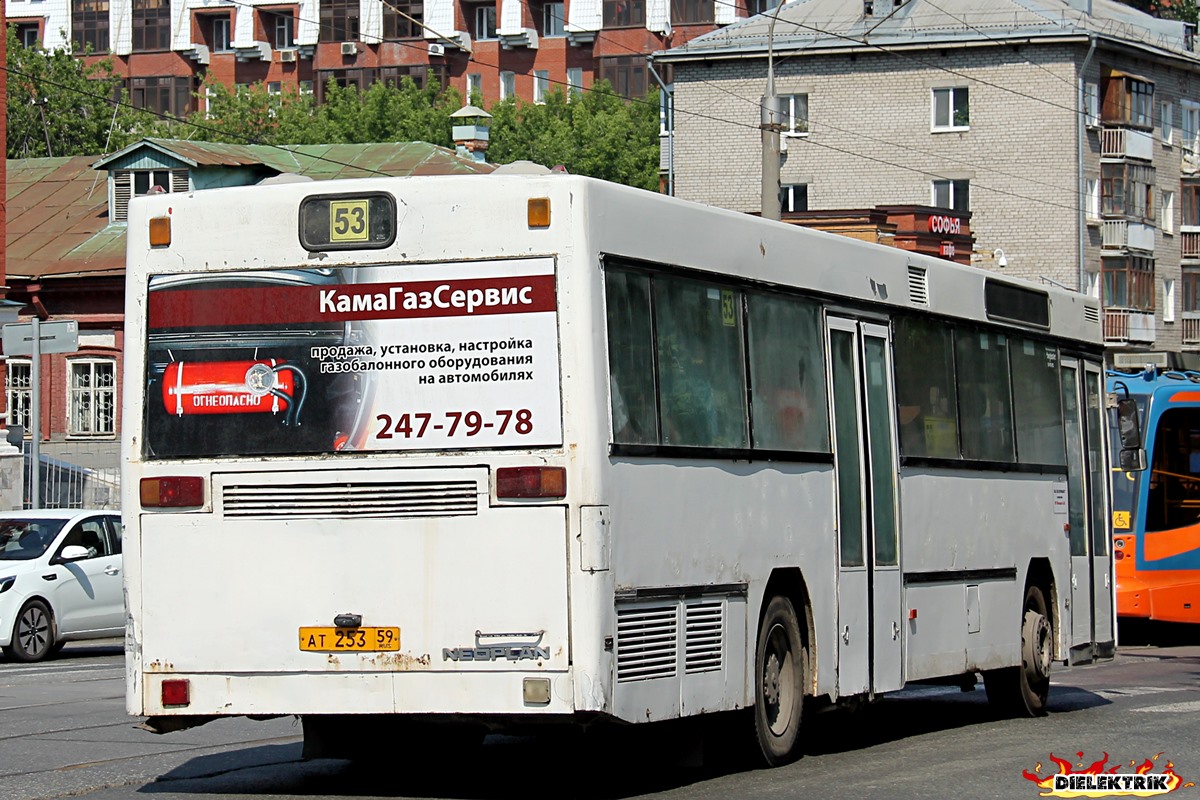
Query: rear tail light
x,y
172,492
176,693
531,482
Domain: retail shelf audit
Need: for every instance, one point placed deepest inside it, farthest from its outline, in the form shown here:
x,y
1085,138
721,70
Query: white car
x,y
60,580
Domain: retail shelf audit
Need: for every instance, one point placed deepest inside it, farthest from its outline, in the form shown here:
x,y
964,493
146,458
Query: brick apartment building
x,y
1068,129
164,48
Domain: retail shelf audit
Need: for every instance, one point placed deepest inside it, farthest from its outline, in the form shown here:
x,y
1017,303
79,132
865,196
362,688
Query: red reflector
x,y
531,482
174,492
912,613
176,693
1119,554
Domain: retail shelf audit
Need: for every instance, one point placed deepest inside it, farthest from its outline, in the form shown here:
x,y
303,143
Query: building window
x,y
1093,198
28,34
274,88
574,81
1128,100
474,88
89,25
554,19
795,112
541,85
220,34
1191,204
793,197
485,22
1168,300
687,12
627,74
20,394
508,85
339,20
1128,282
306,87
754,7
952,194
406,25
1166,123
93,395
1190,299
1167,216
284,26
951,109
1127,190
1189,121
624,13
135,183
151,25
1091,105
166,95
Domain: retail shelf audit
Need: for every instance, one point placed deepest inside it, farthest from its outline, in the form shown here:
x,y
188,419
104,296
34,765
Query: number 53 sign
x,y
348,221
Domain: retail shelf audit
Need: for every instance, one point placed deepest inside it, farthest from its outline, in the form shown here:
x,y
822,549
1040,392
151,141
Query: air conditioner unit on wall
x,y
436,49
349,48
287,55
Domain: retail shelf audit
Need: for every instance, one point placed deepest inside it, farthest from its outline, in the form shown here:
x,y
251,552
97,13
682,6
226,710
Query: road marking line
x,y
1173,708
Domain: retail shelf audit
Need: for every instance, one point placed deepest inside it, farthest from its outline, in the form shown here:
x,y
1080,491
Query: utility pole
x,y
771,125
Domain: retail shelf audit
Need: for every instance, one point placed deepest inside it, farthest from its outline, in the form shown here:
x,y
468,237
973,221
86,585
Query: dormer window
x,y
129,183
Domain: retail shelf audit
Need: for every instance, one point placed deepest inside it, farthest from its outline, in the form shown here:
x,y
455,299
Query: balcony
x,y
1191,328
1120,234
1189,244
1128,326
1126,143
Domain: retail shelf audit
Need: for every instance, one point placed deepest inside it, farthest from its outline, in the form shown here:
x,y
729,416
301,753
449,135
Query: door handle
x,y
895,630
49,576
112,571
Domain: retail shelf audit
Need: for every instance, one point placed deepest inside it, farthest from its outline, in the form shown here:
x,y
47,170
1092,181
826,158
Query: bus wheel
x,y
1024,690
779,665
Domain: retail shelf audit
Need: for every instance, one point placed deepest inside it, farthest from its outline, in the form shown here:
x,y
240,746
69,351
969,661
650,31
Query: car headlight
x,y
7,583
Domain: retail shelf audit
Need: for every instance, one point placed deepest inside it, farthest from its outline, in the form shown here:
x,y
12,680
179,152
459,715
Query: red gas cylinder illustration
x,y
231,387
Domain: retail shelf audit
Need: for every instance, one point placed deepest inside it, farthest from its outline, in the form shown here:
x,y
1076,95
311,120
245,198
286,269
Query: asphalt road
x,y
64,734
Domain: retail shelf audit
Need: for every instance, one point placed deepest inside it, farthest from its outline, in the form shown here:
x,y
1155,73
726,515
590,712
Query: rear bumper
x,y
473,693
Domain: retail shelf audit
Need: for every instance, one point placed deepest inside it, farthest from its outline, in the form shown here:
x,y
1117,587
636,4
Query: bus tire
x,y
1024,690
780,663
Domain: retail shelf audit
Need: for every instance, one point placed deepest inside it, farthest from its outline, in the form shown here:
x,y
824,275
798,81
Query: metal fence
x,y
75,474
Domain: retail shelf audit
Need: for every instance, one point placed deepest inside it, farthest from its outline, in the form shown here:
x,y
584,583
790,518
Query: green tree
x,y
1183,10
596,133
59,106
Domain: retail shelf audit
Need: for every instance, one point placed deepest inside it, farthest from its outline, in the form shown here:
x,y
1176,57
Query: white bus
x,y
461,453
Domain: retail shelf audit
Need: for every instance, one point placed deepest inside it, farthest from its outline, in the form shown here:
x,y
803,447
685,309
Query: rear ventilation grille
x,y
1091,313
647,642
704,636
358,499
918,286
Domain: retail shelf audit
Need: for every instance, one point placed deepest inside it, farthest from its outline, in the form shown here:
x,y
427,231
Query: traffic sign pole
x,y
35,449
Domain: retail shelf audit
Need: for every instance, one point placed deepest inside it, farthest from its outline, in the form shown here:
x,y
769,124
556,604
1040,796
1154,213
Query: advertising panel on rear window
x,y
378,358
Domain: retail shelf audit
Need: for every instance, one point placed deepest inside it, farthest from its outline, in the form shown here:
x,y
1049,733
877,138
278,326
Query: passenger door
x,y
1090,611
870,644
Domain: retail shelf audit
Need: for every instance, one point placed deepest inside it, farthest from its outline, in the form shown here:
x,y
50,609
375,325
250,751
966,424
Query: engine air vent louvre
x,y
704,636
647,642
359,499
1091,313
918,286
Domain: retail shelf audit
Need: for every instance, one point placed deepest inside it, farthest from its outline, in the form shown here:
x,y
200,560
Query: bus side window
x,y
925,395
787,374
630,358
984,395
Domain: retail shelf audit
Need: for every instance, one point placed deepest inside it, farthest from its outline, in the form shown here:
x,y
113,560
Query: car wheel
x,y
33,633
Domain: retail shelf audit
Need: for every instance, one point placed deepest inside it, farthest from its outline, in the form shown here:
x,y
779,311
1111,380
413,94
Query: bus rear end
x,y
347,492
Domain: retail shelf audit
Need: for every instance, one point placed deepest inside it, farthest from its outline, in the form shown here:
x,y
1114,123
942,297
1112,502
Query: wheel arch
x,y
789,582
1041,575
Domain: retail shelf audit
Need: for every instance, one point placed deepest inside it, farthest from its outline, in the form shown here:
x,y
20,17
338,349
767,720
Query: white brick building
x,y
1068,128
